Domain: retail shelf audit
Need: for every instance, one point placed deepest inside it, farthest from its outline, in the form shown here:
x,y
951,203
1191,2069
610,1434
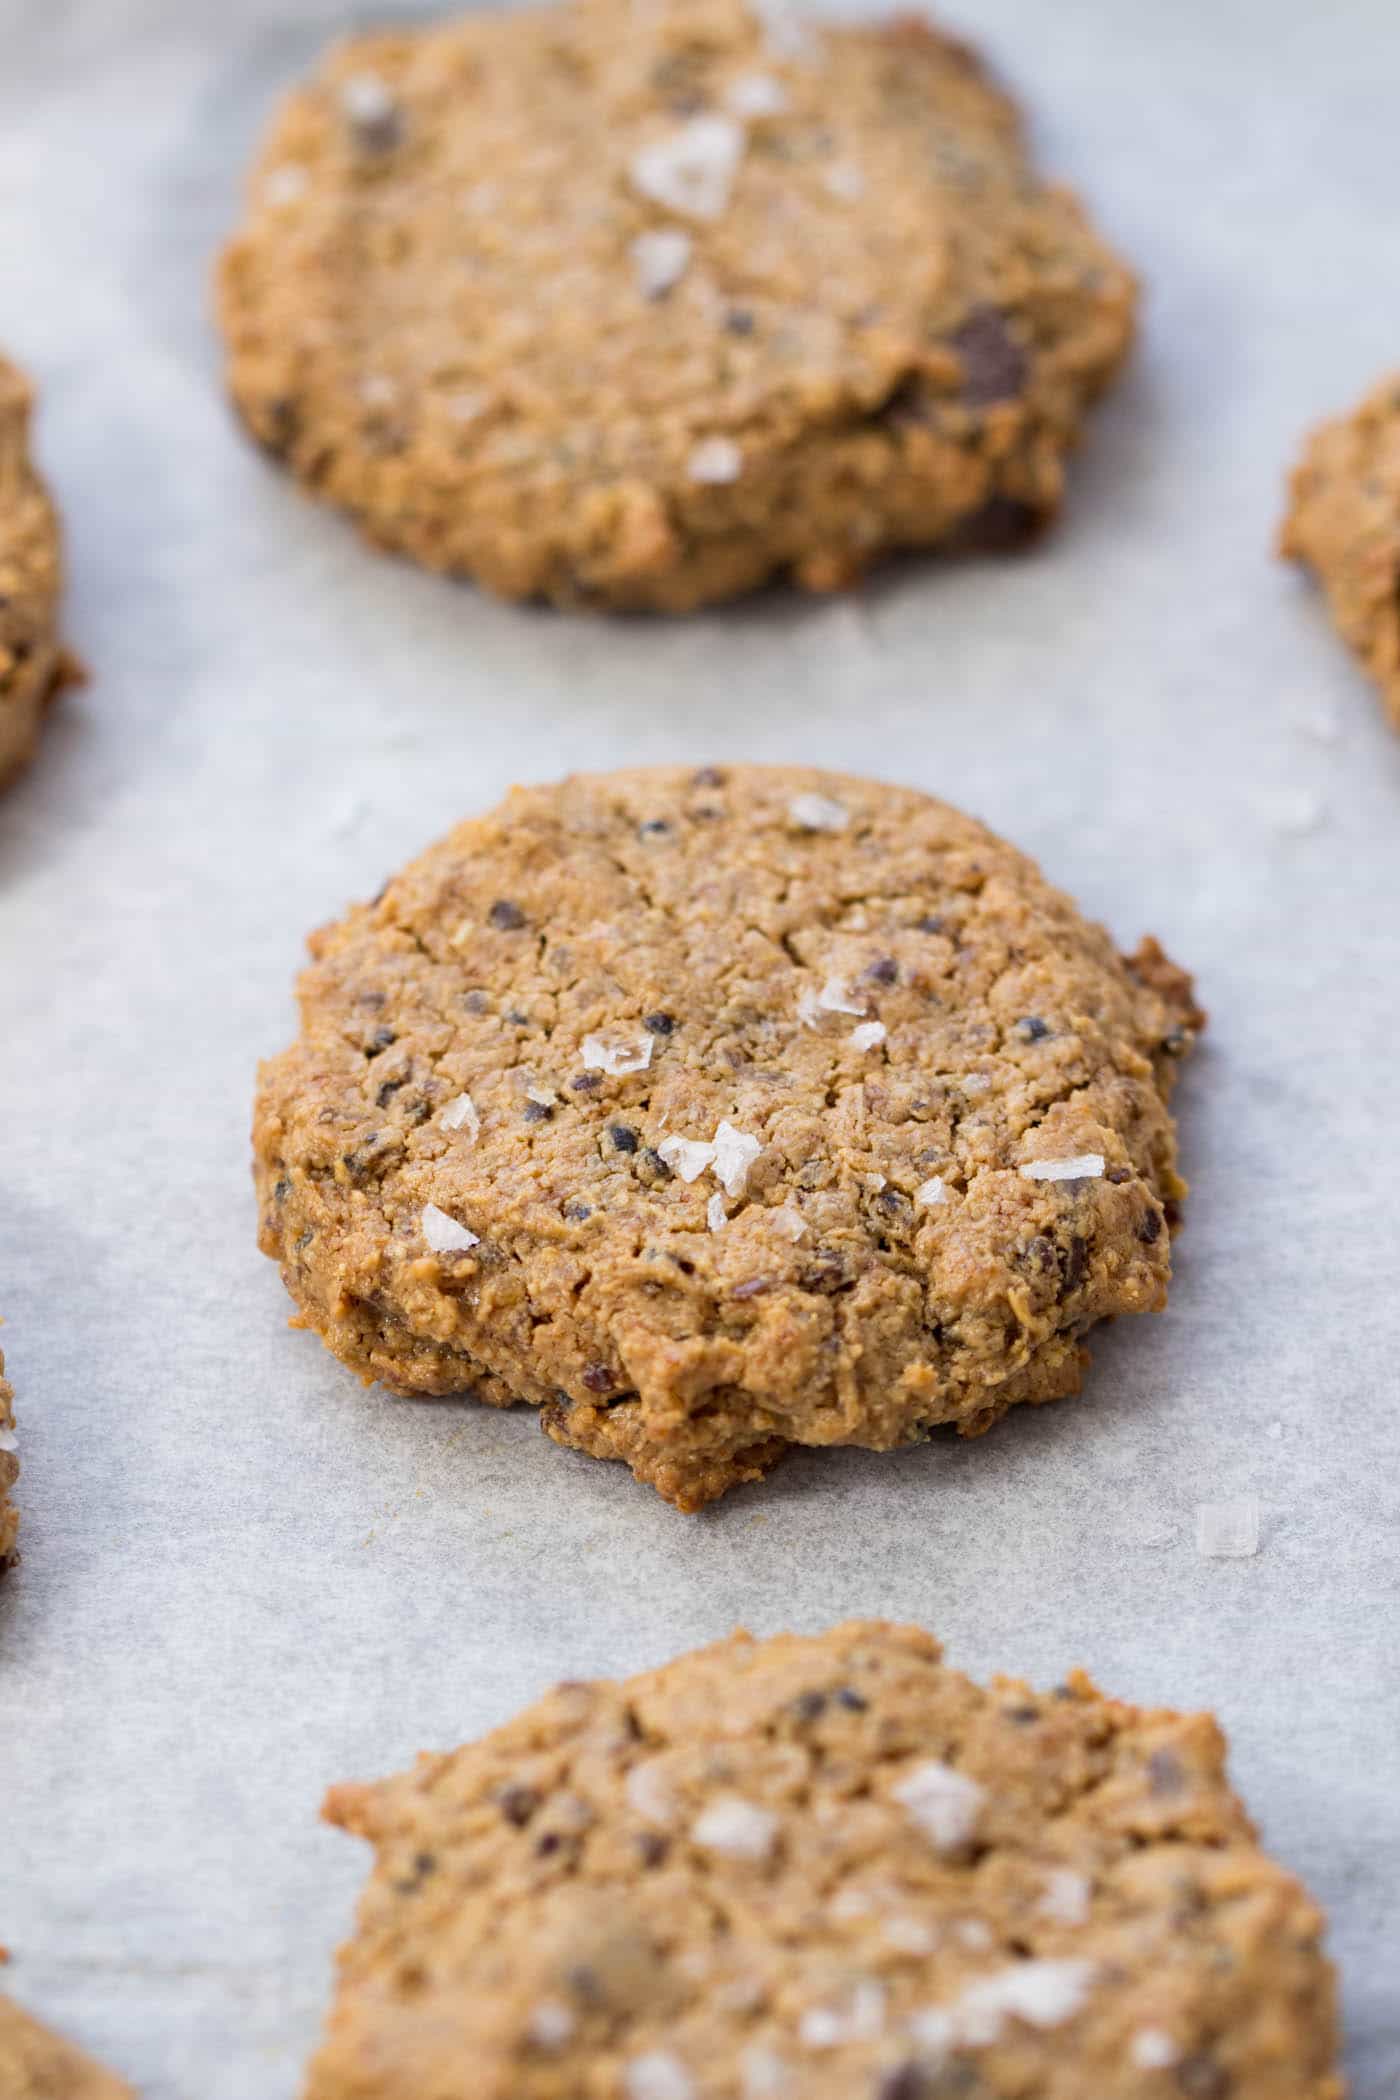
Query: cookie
x,y
1343,524
9,1473
637,307
717,1111
37,2065
829,1869
33,666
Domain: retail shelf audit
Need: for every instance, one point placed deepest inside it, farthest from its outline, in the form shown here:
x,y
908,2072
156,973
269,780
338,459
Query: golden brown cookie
x,y
638,306
826,1869
37,2065
1343,522
716,1111
9,1473
33,666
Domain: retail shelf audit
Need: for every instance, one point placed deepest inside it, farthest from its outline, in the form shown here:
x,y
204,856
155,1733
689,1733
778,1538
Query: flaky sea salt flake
x,y
8,1440
1228,1530
687,1157
649,1793
1081,1166
716,1217
735,1152
836,997
551,2024
692,171
443,1234
868,1036
1152,2049
944,1803
715,461
461,1114
755,95
660,258
861,2019
1040,1993
736,1828
930,1192
818,813
658,2076
606,1054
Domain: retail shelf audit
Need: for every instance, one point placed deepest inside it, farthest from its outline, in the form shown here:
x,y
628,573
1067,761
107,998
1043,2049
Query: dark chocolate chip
x,y
597,1378
282,1191
382,1039
652,1847
1031,1029
1021,1715
517,1804
707,777
884,970
809,1705
624,1139
904,2082
739,321
1118,1175
1150,1228
754,1288
550,1842
855,1702
929,924
505,916
653,828
586,1083
659,1023
995,367
1202,2078
387,1092
577,1212
537,1112
1076,1262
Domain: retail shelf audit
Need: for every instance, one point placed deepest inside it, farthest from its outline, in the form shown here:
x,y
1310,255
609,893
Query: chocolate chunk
x,y
995,367
505,916
517,1804
659,1024
1031,1029
598,1378
624,1139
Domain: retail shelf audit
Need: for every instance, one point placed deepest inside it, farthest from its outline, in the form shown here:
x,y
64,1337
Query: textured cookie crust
x,y
829,1869
9,1473
856,319
743,1080
32,665
37,2065
1343,523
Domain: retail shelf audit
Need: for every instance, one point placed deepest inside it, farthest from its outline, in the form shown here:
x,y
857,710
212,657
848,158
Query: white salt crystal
x,y
693,170
1228,1530
737,1828
658,2076
443,1234
8,1440
734,1153
551,2024
603,1054
461,1114
818,813
945,1804
660,259
687,1157
868,1036
1067,1896
715,461
649,1793
1153,2049
757,95
715,1216
1082,1166
789,1221
835,998
930,1192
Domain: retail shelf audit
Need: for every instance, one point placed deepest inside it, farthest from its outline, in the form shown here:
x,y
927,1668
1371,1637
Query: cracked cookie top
x,y
826,1869
716,1110
638,305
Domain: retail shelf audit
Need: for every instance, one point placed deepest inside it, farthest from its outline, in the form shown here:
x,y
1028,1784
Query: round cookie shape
x,y
714,1111
1343,524
9,1473
828,1868
33,666
638,307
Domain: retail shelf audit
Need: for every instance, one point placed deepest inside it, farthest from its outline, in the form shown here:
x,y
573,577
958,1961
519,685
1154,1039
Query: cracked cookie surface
x,y
827,1869
715,1111
36,2064
638,308
1343,524
33,666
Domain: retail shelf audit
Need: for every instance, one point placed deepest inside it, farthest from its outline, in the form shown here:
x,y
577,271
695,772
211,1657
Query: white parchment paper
x,y
243,1576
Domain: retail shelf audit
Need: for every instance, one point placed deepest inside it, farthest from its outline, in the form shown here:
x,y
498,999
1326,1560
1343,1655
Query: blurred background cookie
x,y
639,306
